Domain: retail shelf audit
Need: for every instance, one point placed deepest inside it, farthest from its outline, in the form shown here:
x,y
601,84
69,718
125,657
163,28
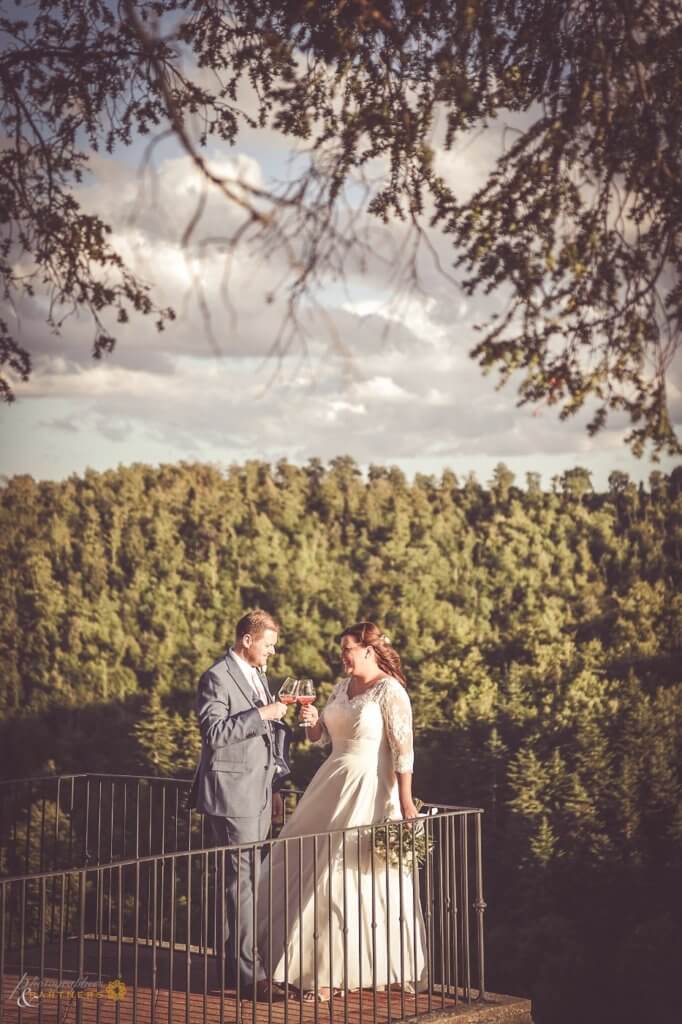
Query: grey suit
x,y
240,756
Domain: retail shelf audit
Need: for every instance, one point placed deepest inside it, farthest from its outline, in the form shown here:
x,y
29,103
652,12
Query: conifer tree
x,y
156,736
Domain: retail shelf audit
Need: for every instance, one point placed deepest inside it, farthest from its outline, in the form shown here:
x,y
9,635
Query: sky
x,y
378,373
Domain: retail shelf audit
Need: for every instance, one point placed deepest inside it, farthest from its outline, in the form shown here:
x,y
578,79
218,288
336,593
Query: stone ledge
x,y
496,1009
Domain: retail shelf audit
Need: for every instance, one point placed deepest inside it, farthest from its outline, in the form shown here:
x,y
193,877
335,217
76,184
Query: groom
x,y
242,753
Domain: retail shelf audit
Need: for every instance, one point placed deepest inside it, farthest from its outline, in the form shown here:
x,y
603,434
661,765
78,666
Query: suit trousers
x,y
242,869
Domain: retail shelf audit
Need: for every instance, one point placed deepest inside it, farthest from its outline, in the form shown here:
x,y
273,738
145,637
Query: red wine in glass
x,y
305,694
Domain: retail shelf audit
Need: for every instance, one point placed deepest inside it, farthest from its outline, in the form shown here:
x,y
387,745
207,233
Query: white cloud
x,y
337,406
383,381
381,388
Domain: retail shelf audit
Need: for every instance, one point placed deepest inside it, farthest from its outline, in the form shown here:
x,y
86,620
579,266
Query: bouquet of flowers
x,y
394,840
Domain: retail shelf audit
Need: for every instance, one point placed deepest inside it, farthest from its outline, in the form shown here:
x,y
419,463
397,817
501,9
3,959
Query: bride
x,y
342,917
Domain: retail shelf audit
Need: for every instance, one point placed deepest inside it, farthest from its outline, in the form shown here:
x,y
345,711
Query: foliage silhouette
x,y
578,222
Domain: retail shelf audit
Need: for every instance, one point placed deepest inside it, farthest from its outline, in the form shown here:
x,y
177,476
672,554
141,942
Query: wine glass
x,y
288,690
305,694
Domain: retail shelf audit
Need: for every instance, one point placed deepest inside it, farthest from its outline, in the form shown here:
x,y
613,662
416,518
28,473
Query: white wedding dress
x,y
342,925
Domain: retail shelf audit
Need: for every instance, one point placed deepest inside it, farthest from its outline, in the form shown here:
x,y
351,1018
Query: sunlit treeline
x,y
541,632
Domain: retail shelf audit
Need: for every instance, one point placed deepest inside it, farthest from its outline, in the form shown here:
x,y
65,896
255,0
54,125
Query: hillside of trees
x,y
541,632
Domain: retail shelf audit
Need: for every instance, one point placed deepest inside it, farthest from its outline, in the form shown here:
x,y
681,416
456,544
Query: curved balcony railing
x,y
112,904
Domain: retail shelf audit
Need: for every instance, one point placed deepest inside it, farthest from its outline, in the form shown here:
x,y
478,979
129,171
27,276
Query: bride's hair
x,y
367,634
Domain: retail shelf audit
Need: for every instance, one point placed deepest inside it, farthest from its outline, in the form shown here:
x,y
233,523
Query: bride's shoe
x,y
323,995
309,995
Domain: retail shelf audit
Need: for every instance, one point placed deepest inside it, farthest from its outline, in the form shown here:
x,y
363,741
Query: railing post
x,y
479,906
428,913
466,938
86,825
3,911
452,839
119,935
43,805
27,861
82,896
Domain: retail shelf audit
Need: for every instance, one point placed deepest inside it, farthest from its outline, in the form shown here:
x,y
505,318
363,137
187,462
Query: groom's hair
x,y
255,623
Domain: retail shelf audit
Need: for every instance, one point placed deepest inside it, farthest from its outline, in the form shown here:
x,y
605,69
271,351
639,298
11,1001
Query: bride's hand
x,y
409,810
309,715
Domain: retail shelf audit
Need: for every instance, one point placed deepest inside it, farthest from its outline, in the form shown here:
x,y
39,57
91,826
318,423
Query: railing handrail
x,y
95,775
33,876
164,778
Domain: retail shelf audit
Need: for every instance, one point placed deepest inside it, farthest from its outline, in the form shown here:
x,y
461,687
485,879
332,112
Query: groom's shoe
x,y
263,992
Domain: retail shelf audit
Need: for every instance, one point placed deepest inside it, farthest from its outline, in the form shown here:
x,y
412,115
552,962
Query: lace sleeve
x,y
325,738
397,712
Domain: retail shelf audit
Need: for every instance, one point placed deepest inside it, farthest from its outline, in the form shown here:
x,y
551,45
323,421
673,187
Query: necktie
x,y
257,684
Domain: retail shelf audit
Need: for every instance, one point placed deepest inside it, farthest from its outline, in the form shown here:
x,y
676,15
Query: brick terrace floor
x,y
189,997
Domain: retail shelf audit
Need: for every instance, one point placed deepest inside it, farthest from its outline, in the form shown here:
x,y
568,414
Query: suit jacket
x,y
241,754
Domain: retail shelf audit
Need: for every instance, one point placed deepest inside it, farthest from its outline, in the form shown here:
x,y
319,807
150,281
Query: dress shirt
x,y
252,676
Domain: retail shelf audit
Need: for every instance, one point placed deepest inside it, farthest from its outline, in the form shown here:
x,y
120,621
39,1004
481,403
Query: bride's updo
x,y
367,634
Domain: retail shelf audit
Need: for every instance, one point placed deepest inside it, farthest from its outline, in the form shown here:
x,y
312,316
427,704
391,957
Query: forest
x,y
541,634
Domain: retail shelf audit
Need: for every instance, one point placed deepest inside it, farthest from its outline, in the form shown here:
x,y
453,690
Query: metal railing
x,y
71,821
135,935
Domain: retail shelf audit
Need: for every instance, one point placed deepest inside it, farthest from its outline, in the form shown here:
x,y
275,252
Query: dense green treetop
x,y
541,634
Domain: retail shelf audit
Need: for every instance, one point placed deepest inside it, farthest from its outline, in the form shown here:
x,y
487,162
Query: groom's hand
x,y
273,712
